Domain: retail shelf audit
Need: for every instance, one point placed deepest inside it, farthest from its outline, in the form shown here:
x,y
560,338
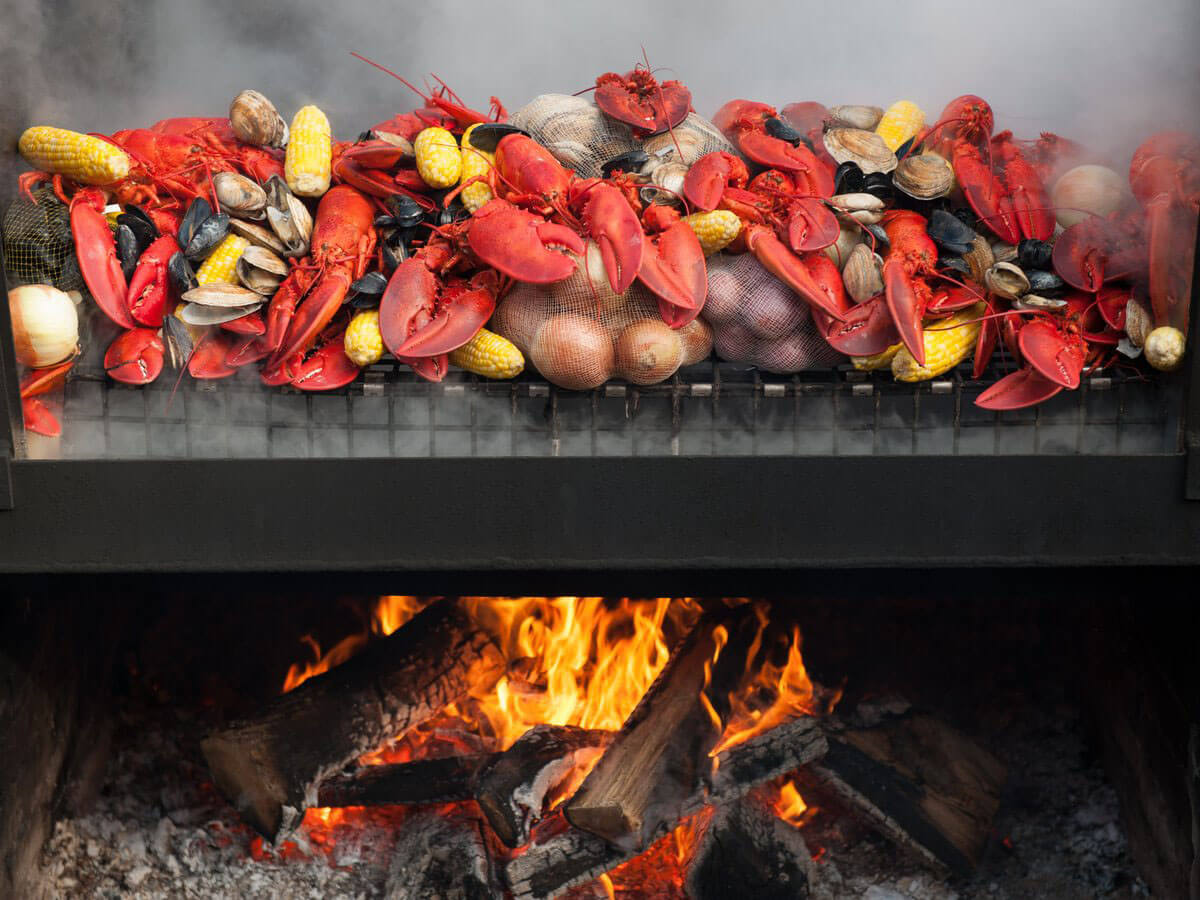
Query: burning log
x,y
271,766
746,850
923,783
661,753
562,856
513,787
445,779
442,854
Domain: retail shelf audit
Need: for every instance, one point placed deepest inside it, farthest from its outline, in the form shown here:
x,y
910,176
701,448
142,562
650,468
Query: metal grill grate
x,y
714,409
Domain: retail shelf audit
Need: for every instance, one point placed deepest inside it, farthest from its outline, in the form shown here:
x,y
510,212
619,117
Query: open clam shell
x,y
853,116
220,294
865,148
199,315
1006,280
260,270
257,235
667,181
925,176
865,208
288,217
256,121
239,196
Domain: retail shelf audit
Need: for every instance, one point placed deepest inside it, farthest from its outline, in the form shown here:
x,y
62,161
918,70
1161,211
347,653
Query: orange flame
x,y
790,806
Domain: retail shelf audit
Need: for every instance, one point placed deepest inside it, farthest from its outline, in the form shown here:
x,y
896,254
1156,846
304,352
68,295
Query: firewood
x,y
443,779
561,856
746,850
921,782
270,766
443,854
661,752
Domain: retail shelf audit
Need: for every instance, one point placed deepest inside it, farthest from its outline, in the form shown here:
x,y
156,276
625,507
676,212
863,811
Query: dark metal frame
x,y
448,517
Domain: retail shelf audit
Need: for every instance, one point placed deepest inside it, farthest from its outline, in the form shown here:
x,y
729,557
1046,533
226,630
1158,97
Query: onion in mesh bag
x,y
574,129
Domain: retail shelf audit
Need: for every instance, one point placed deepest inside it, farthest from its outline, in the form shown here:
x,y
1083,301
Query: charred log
x,y
746,850
442,854
271,766
562,856
445,779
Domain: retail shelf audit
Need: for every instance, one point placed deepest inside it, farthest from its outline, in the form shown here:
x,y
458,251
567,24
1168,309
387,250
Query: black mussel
x,y
395,250
198,212
488,135
957,263
128,250
455,212
139,220
902,150
207,235
181,272
177,341
777,128
405,210
385,220
366,291
881,238
848,179
879,184
626,162
1034,254
1042,281
367,135
967,217
808,143
950,232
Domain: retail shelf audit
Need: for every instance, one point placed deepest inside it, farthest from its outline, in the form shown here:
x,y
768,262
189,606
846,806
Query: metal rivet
x,y
702,390
614,390
941,387
1100,383
774,390
539,390
862,390
455,389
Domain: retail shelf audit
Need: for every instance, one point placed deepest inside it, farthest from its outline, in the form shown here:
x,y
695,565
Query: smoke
x,y
1104,71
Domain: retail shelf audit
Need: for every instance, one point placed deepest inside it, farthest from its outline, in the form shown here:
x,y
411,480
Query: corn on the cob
x,y
439,161
878,361
902,120
221,264
475,162
309,153
715,230
80,157
364,341
490,355
947,343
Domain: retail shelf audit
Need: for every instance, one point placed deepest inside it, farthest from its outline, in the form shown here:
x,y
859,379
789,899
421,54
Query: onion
x,y
648,351
574,352
697,340
1087,189
1164,348
45,325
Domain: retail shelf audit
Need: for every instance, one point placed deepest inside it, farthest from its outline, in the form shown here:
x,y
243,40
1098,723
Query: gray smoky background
x,y
1108,73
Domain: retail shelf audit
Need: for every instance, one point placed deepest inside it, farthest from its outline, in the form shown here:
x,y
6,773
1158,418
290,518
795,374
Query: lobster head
x,y
637,99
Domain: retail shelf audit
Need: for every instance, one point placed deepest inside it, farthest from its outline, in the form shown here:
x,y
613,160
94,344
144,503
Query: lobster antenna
x,y
662,99
404,81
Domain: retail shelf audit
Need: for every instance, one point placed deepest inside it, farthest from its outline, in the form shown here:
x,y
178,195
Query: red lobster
x,y
637,99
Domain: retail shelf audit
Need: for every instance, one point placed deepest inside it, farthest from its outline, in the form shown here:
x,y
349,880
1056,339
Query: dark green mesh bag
x,y
38,248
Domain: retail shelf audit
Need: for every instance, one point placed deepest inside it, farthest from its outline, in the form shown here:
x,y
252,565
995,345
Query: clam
x,y
397,140
849,237
925,176
1138,322
1046,304
199,314
864,117
862,274
979,258
1087,190
696,137
1006,280
239,196
865,208
865,148
261,270
220,294
288,217
1004,252
257,235
256,121
668,182
574,129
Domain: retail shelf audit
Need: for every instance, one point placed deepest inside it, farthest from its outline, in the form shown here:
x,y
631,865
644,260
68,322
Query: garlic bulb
x,y
45,324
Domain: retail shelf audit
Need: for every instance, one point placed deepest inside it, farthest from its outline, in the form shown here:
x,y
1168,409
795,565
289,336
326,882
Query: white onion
x,y
45,325
1087,189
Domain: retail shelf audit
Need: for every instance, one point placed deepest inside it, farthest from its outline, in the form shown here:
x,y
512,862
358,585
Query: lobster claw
x,y
1030,202
97,254
150,285
985,194
615,228
328,367
906,306
249,324
1171,227
135,357
431,368
314,313
778,259
421,317
1022,388
363,165
811,225
518,243
706,180
1097,250
39,419
866,330
1057,357
812,177
639,101
673,268
213,353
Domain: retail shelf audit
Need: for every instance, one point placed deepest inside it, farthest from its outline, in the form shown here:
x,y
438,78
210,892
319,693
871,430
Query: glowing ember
x,y
790,806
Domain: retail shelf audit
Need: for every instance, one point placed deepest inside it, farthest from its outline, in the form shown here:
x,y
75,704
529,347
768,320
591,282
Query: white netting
x,y
578,333
695,136
757,319
574,129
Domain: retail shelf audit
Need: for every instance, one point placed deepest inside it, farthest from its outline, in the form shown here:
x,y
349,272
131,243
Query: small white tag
x,y
1126,347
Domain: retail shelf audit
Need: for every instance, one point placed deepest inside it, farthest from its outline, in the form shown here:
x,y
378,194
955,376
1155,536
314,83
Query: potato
x,y
735,343
786,355
697,340
773,311
573,352
725,294
648,351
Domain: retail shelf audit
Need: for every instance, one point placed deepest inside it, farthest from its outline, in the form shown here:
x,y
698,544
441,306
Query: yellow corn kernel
x,y
439,161
878,361
364,341
221,264
715,230
902,120
947,343
80,157
489,355
309,153
475,162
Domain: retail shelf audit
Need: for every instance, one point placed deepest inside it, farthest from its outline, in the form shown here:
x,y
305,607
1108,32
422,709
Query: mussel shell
x,y
181,272
849,179
632,162
198,211
239,196
488,135
218,293
257,235
967,216
406,211
395,250
1040,280
866,148
852,116
177,340
957,263
455,212
136,220
925,176
199,314
128,250
373,284
1034,254
777,128
207,235
881,238
950,232
879,184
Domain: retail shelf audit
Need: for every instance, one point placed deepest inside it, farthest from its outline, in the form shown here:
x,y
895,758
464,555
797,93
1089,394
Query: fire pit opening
x,y
876,741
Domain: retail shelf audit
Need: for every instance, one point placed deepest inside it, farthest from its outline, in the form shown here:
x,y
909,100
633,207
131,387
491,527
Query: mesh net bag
x,y
574,129
759,320
695,136
38,248
578,333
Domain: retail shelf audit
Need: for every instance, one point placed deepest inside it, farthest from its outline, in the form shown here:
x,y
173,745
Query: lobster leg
x,y
1023,388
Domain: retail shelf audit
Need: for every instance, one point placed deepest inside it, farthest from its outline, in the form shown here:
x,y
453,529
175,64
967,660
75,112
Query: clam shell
x,y
925,176
1087,190
288,217
256,121
865,208
262,258
220,294
1007,280
669,176
1047,304
865,148
257,235
979,258
1138,322
696,137
239,196
1004,252
849,237
574,129
864,117
198,314
397,140
862,274
261,270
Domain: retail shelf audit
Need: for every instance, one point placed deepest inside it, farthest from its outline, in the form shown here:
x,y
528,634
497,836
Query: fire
x,y
790,806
